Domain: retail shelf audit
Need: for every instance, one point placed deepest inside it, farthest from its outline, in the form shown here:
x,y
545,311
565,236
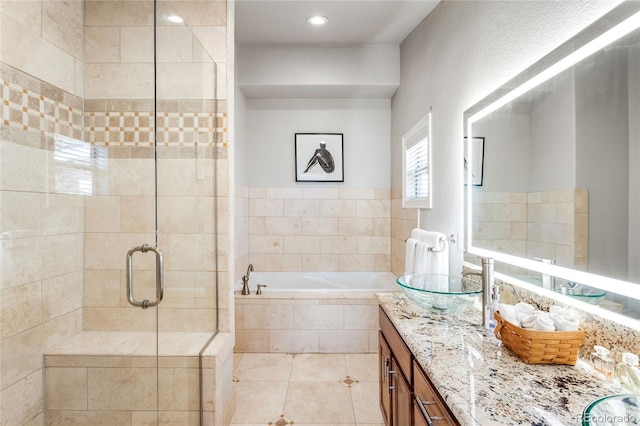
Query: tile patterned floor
x,y
306,389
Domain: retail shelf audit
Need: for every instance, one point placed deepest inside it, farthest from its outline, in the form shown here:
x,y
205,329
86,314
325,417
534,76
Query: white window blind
x,y
416,166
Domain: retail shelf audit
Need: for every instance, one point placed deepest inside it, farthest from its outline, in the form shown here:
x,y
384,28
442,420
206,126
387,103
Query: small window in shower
x,y
76,163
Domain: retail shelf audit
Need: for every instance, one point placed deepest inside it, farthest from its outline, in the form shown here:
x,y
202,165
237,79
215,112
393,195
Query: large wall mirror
x,y
559,203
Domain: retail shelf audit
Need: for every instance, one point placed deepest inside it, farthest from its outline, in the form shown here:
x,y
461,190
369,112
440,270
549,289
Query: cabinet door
x,y
427,400
400,397
384,366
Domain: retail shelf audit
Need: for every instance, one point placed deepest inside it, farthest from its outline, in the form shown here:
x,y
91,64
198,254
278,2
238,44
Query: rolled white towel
x,y
524,308
564,322
544,323
527,321
508,312
559,310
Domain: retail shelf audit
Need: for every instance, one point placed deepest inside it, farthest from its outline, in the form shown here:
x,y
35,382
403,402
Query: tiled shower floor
x,y
306,389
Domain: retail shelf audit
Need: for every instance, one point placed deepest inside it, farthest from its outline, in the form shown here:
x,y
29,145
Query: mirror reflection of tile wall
x,y
548,225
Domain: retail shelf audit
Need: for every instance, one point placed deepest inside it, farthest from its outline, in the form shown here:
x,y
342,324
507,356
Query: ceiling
x,y
283,22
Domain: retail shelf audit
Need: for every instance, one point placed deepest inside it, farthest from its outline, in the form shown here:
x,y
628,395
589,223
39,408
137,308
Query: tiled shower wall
x,y
48,222
119,50
41,225
191,165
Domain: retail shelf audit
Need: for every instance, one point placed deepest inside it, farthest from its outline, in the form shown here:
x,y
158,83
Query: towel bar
x,y
442,241
451,239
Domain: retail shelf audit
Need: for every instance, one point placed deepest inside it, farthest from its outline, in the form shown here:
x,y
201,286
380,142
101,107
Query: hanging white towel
x,y
422,235
410,256
421,259
428,261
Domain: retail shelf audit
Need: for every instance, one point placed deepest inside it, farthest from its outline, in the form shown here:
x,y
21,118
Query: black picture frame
x,y
477,163
319,157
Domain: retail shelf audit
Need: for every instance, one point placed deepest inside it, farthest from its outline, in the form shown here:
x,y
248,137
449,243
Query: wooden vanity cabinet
x,y
395,381
429,408
401,397
384,365
407,396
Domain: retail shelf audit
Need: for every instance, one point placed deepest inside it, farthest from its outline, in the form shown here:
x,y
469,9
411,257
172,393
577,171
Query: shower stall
x,y
114,211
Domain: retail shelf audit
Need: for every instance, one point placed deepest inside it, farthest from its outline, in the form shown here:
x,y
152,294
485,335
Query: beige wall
x,y
51,31
42,272
241,231
41,222
316,229
550,225
304,322
261,226
402,222
119,50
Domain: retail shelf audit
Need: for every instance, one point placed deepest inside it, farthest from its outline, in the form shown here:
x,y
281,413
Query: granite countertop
x,y
484,383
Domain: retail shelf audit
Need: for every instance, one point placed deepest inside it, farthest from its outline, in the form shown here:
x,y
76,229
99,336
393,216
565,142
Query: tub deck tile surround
x,y
307,322
484,383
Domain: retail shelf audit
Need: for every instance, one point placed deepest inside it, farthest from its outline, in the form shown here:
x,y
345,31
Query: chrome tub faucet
x,y
245,281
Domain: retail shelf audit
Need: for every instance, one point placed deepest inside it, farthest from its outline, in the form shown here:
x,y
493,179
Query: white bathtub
x,y
322,281
319,312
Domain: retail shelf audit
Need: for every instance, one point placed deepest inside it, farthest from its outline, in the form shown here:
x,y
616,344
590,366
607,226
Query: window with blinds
x,y
416,165
77,166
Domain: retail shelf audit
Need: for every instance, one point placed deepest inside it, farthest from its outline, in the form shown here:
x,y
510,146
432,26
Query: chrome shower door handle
x,y
159,276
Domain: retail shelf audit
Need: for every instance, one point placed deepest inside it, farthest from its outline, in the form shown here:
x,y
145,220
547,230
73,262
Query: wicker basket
x,y
539,347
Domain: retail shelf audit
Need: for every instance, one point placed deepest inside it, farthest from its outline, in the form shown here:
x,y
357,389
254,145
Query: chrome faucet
x,y
487,288
245,281
548,281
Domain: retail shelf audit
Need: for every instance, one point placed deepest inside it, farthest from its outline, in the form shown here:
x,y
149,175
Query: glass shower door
x,y
188,121
123,255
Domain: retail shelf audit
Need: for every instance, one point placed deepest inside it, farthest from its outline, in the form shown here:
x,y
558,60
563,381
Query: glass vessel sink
x,y
575,290
619,409
584,293
440,293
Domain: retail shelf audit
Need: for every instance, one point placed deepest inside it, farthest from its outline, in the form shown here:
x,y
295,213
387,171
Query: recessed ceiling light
x,y
176,19
317,20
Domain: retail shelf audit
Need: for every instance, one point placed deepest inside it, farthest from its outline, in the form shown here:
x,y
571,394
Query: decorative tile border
x,y
174,129
125,127
30,111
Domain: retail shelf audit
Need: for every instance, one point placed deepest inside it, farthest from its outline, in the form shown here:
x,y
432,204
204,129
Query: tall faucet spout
x,y
249,269
487,289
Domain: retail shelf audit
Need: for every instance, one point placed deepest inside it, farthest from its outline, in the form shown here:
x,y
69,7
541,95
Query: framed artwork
x,y
319,157
476,165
